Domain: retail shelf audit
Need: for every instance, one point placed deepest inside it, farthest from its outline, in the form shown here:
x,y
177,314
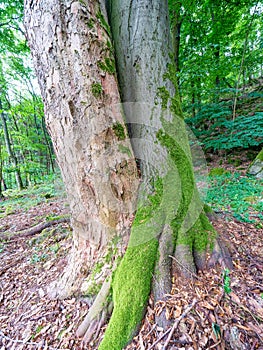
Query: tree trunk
x,y
170,217
75,67
72,54
176,24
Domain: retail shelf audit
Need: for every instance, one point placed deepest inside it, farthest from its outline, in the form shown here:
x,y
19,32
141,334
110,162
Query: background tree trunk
x,y
73,59
10,152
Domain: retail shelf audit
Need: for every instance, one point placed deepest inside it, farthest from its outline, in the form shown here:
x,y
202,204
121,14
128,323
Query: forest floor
x,y
228,312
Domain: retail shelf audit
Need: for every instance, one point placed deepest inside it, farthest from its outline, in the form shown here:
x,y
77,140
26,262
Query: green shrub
x,y
217,130
239,195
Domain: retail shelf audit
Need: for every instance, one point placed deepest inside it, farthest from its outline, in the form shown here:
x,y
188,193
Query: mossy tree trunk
x,y
72,50
170,219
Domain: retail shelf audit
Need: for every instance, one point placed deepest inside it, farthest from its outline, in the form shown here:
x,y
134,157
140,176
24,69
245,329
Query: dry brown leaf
x,y
257,306
177,312
234,297
206,305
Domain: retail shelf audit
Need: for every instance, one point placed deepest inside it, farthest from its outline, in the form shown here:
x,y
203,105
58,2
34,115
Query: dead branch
x,y
171,330
35,229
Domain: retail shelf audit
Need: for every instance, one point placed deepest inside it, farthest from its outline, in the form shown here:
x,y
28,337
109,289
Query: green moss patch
x,y
103,22
119,131
148,210
108,65
96,89
164,94
125,150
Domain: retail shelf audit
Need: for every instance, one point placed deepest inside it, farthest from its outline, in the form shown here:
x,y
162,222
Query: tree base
x,y
72,278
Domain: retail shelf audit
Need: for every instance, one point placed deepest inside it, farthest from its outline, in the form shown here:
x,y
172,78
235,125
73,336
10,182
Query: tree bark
x,y
72,55
170,217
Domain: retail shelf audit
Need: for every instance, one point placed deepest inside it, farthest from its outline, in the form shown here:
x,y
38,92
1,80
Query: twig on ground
x,y
184,267
39,345
176,323
159,339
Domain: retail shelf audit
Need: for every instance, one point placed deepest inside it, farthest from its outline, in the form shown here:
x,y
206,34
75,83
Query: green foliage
x,y
21,109
237,194
37,257
31,196
217,130
216,330
226,281
217,172
219,67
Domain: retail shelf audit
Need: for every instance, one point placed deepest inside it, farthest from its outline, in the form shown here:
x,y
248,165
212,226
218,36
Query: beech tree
x,y
108,81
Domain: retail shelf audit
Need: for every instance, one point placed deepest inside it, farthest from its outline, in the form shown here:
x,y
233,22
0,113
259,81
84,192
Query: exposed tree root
x,y
162,283
221,255
35,229
95,319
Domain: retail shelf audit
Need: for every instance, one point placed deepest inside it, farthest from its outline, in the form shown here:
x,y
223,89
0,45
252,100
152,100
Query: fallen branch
x,y
35,229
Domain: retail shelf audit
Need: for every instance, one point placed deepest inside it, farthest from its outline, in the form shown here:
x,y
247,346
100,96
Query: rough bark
x,y
177,21
72,55
169,211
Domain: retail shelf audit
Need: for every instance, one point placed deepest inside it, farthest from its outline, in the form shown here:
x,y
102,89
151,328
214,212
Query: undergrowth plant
x,y
226,281
215,127
239,195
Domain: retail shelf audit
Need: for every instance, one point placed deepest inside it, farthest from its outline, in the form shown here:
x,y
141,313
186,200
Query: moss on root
x,y
131,289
